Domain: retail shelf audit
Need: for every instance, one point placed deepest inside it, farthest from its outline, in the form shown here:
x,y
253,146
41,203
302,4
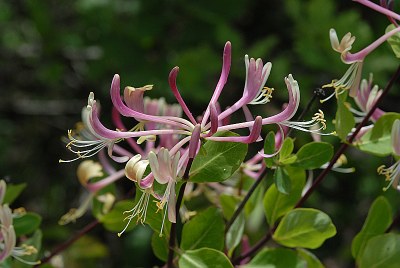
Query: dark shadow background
x,y
53,53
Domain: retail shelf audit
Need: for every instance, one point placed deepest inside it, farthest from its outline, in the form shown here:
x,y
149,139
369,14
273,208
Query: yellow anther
x,y
28,249
19,211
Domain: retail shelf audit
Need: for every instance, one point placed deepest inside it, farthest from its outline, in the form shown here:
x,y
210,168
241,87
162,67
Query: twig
x,y
323,174
172,233
67,243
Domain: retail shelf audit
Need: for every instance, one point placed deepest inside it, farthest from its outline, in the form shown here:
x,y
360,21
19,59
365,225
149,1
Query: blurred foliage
x,y
53,53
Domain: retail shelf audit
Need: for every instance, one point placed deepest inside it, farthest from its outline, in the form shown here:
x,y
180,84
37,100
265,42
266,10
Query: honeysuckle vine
x,y
171,156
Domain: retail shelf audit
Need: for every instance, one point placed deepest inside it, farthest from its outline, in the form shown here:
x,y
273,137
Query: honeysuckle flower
x,y
170,140
87,171
351,79
366,99
165,170
181,129
8,239
392,173
89,142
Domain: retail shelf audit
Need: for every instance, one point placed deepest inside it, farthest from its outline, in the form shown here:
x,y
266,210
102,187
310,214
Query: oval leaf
x,y
204,258
205,230
378,140
394,41
276,257
344,120
304,227
378,220
159,246
282,180
27,223
313,155
217,161
277,204
12,192
311,260
381,251
269,148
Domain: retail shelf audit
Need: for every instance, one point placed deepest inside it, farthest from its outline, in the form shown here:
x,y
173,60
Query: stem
x,y
245,199
172,233
69,242
323,174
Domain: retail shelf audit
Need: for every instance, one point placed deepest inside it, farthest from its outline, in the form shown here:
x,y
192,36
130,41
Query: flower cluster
x,y
165,141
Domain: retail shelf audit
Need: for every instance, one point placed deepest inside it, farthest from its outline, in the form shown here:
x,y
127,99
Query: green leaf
x,y
382,251
378,220
205,230
269,148
304,227
12,192
277,204
313,155
394,40
255,200
282,180
275,258
235,233
287,149
204,258
311,259
159,246
27,223
344,120
220,161
289,160
228,204
378,140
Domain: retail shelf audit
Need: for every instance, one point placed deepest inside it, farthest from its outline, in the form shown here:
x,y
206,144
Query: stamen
x,y
139,210
263,96
391,174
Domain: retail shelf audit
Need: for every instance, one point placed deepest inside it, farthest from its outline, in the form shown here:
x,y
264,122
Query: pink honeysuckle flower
x,y
165,171
181,137
256,76
351,79
133,97
91,142
392,173
365,99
